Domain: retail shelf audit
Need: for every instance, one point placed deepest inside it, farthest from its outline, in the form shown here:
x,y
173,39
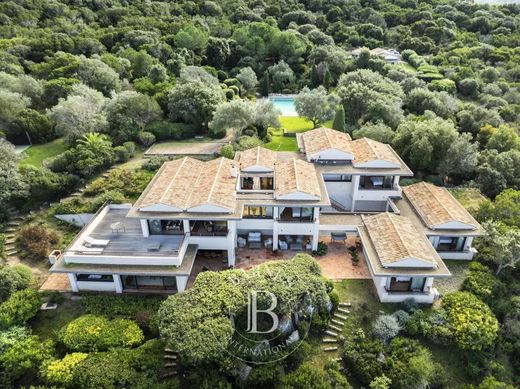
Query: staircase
x,y
338,206
170,363
330,342
15,220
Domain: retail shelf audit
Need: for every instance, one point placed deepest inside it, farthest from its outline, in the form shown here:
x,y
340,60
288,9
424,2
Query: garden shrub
x,y
322,249
97,333
153,164
59,372
2,246
410,305
386,327
37,240
402,317
121,153
227,151
480,281
13,278
130,183
146,138
19,308
362,357
130,147
311,376
26,354
13,335
171,131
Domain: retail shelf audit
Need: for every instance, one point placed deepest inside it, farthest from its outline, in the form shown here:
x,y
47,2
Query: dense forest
x,y
109,77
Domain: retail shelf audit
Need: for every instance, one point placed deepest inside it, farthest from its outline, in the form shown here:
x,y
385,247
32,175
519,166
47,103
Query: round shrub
x,y
146,138
153,164
37,240
19,308
386,327
59,372
97,333
227,151
402,317
479,281
130,147
122,154
230,94
13,278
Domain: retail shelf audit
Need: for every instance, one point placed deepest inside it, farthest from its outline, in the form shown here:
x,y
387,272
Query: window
x,y
266,183
337,178
149,282
95,277
165,227
247,183
451,243
376,182
297,214
252,211
407,284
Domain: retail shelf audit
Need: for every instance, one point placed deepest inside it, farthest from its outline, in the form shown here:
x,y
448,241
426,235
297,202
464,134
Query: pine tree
x,y
339,119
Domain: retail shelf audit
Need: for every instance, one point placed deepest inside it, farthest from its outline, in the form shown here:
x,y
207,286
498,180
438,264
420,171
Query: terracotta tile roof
x,y
436,206
188,182
324,138
258,156
366,150
395,239
215,185
294,175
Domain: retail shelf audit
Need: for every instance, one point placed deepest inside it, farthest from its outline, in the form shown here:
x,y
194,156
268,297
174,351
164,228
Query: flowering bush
x,y
60,371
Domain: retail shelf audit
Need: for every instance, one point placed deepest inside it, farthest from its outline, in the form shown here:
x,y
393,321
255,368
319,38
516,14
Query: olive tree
x,y
316,105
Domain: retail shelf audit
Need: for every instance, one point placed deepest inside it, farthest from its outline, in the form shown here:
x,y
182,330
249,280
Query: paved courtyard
x,y
184,148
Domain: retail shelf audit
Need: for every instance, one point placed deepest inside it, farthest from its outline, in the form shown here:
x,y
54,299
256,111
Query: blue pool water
x,y
284,104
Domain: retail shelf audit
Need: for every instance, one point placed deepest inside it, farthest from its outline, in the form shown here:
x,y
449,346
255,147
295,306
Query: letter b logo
x,y
253,311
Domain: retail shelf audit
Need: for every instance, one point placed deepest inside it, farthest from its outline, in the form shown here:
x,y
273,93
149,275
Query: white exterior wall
x,y
466,254
427,297
231,242
255,224
144,228
377,194
181,283
73,283
97,286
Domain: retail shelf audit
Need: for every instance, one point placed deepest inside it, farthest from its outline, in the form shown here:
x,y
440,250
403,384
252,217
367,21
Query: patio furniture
x,y
282,245
298,243
117,226
153,246
91,242
268,243
90,250
254,240
241,242
338,237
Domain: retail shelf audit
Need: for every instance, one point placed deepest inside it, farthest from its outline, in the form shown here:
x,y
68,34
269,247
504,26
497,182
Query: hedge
x,y
171,131
19,308
97,333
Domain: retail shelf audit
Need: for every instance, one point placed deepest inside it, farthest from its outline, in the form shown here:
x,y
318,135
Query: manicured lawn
x,y
46,324
35,155
470,198
290,124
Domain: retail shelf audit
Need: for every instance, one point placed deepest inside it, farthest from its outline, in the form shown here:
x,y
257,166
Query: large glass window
x,y
95,277
407,284
149,282
337,178
247,183
451,244
297,214
376,182
266,183
165,227
253,212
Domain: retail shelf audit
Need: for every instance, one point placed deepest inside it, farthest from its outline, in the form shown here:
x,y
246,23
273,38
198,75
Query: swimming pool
x,y
285,104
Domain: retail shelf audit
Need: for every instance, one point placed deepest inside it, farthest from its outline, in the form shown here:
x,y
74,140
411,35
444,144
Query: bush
x,y
19,308
146,138
13,335
13,278
153,164
130,183
130,147
386,327
171,131
410,305
227,151
311,376
322,249
37,240
97,333
480,281
402,317
122,154
60,371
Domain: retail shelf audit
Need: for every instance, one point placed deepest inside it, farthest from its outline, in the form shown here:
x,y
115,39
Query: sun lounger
x,y
91,242
90,250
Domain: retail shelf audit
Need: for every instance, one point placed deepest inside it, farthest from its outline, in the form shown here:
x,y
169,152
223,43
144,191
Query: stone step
x,y
166,356
327,340
9,247
337,315
338,322
343,310
331,333
330,348
12,210
338,359
169,374
168,350
171,364
10,229
349,304
335,328
10,240
75,194
13,223
10,236
11,253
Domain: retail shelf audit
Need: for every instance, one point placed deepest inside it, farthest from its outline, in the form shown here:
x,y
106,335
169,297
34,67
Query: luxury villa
x,y
334,186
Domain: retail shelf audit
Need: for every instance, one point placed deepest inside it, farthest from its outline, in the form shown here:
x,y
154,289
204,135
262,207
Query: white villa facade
x,y
280,201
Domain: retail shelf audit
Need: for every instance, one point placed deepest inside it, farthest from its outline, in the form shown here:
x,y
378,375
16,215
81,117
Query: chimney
x,y
234,171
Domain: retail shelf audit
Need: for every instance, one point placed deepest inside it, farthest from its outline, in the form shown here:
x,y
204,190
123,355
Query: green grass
x,y
290,124
46,324
470,198
35,155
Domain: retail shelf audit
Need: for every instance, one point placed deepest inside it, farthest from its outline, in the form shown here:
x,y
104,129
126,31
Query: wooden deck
x,y
131,241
